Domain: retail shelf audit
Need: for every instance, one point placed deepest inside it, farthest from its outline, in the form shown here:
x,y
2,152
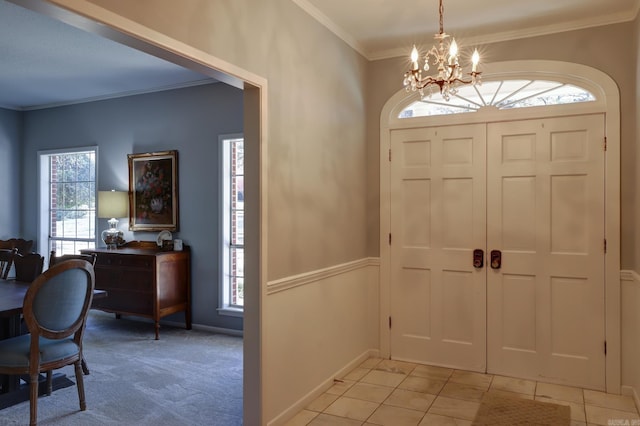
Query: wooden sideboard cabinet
x,y
144,282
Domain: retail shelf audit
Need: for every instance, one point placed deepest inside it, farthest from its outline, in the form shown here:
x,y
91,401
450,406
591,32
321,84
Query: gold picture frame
x,y
153,191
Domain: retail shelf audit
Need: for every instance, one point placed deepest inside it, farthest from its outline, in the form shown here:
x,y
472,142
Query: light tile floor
x,y
395,393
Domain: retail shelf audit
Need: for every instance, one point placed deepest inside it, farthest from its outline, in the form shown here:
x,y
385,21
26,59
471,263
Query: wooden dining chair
x,y
23,246
6,260
53,259
27,266
55,310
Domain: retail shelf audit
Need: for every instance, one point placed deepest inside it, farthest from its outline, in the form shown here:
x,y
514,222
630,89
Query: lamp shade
x,y
113,204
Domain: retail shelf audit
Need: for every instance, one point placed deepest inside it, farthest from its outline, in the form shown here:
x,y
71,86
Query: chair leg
x,y
80,385
49,382
33,398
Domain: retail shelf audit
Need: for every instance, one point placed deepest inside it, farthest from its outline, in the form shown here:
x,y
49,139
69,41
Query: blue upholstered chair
x,y
55,310
91,258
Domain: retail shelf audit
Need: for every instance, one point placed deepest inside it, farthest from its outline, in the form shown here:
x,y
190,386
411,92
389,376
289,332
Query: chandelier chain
x,y
441,18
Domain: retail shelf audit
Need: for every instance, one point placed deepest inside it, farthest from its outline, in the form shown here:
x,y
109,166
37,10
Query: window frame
x,y
44,197
506,93
224,284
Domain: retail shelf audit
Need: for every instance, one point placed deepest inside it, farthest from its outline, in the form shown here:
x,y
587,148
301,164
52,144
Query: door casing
x,y
607,102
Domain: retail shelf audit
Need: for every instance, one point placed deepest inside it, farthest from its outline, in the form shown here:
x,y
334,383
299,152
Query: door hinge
x,y
605,143
389,238
389,322
605,246
389,154
605,347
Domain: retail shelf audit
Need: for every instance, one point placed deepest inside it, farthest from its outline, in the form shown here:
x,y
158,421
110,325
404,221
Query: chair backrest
x,y
23,246
27,266
57,302
6,260
54,260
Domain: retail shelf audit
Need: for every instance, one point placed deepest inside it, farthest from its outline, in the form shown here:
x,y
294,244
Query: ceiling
x,y
46,62
387,28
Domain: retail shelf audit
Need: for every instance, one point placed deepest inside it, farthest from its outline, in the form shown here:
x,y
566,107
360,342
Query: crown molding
x,y
115,95
374,55
331,26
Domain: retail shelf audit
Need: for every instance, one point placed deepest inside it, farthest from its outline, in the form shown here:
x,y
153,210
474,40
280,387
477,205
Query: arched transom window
x,y
503,94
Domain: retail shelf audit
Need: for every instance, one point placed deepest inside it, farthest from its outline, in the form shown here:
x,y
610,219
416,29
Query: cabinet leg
x,y
157,330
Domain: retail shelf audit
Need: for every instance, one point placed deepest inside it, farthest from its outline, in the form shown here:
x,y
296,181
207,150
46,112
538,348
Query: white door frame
x,y
97,20
607,101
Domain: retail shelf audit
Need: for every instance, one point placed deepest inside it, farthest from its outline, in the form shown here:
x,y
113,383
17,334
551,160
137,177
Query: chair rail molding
x,y
629,275
293,281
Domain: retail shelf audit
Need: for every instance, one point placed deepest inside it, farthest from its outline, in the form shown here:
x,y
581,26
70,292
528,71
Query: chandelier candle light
x,y
450,74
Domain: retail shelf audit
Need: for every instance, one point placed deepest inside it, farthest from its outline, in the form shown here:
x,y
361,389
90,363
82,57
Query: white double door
x,y
531,192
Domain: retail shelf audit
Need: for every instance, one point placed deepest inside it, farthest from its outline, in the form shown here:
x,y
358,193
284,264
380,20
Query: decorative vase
x,y
156,205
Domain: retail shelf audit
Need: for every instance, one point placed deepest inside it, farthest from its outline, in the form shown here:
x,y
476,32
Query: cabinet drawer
x,y
126,302
143,262
124,278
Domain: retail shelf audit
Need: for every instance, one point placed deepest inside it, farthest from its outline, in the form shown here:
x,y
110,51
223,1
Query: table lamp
x,y
112,204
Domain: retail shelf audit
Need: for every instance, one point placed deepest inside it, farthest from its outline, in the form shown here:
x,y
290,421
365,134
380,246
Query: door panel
x,y
532,189
545,306
438,210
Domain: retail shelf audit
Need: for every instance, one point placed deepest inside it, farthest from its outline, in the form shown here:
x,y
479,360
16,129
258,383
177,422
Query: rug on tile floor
x,y
502,411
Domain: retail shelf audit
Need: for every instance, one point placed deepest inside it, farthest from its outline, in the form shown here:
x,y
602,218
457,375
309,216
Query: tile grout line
x,y
446,381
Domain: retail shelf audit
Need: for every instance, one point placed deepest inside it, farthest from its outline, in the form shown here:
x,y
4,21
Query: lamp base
x,y
112,238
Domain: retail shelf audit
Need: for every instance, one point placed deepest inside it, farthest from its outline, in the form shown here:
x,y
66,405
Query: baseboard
x,y
290,412
218,330
209,328
630,391
179,324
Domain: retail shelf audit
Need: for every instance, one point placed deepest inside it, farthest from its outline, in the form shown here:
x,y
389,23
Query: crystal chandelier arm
x,y
449,72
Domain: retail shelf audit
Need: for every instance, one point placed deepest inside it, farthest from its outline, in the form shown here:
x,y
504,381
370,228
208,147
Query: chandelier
x,y
450,73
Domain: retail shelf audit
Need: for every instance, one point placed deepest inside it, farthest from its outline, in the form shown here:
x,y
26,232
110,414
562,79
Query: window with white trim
x,y
502,94
68,200
232,225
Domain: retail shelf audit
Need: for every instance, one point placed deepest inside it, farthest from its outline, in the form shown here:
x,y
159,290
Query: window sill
x,y
232,312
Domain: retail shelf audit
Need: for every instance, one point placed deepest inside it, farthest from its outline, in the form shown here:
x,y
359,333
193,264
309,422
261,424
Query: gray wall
x,y
10,128
188,120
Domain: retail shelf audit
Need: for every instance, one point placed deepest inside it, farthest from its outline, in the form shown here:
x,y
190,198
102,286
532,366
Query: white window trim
x,y
223,284
43,193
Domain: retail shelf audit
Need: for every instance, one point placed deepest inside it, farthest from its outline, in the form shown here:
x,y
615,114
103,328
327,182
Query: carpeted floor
x,y
188,377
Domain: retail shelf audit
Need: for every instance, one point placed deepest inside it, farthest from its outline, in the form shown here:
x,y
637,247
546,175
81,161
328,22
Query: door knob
x,y
496,259
478,258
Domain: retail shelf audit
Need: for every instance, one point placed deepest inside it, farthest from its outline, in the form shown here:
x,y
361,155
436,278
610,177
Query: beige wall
x,y
316,152
630,287
607,49
316,181
634,41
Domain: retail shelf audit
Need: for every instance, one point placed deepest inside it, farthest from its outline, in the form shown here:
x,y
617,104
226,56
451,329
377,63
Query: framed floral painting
x,y
153,191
